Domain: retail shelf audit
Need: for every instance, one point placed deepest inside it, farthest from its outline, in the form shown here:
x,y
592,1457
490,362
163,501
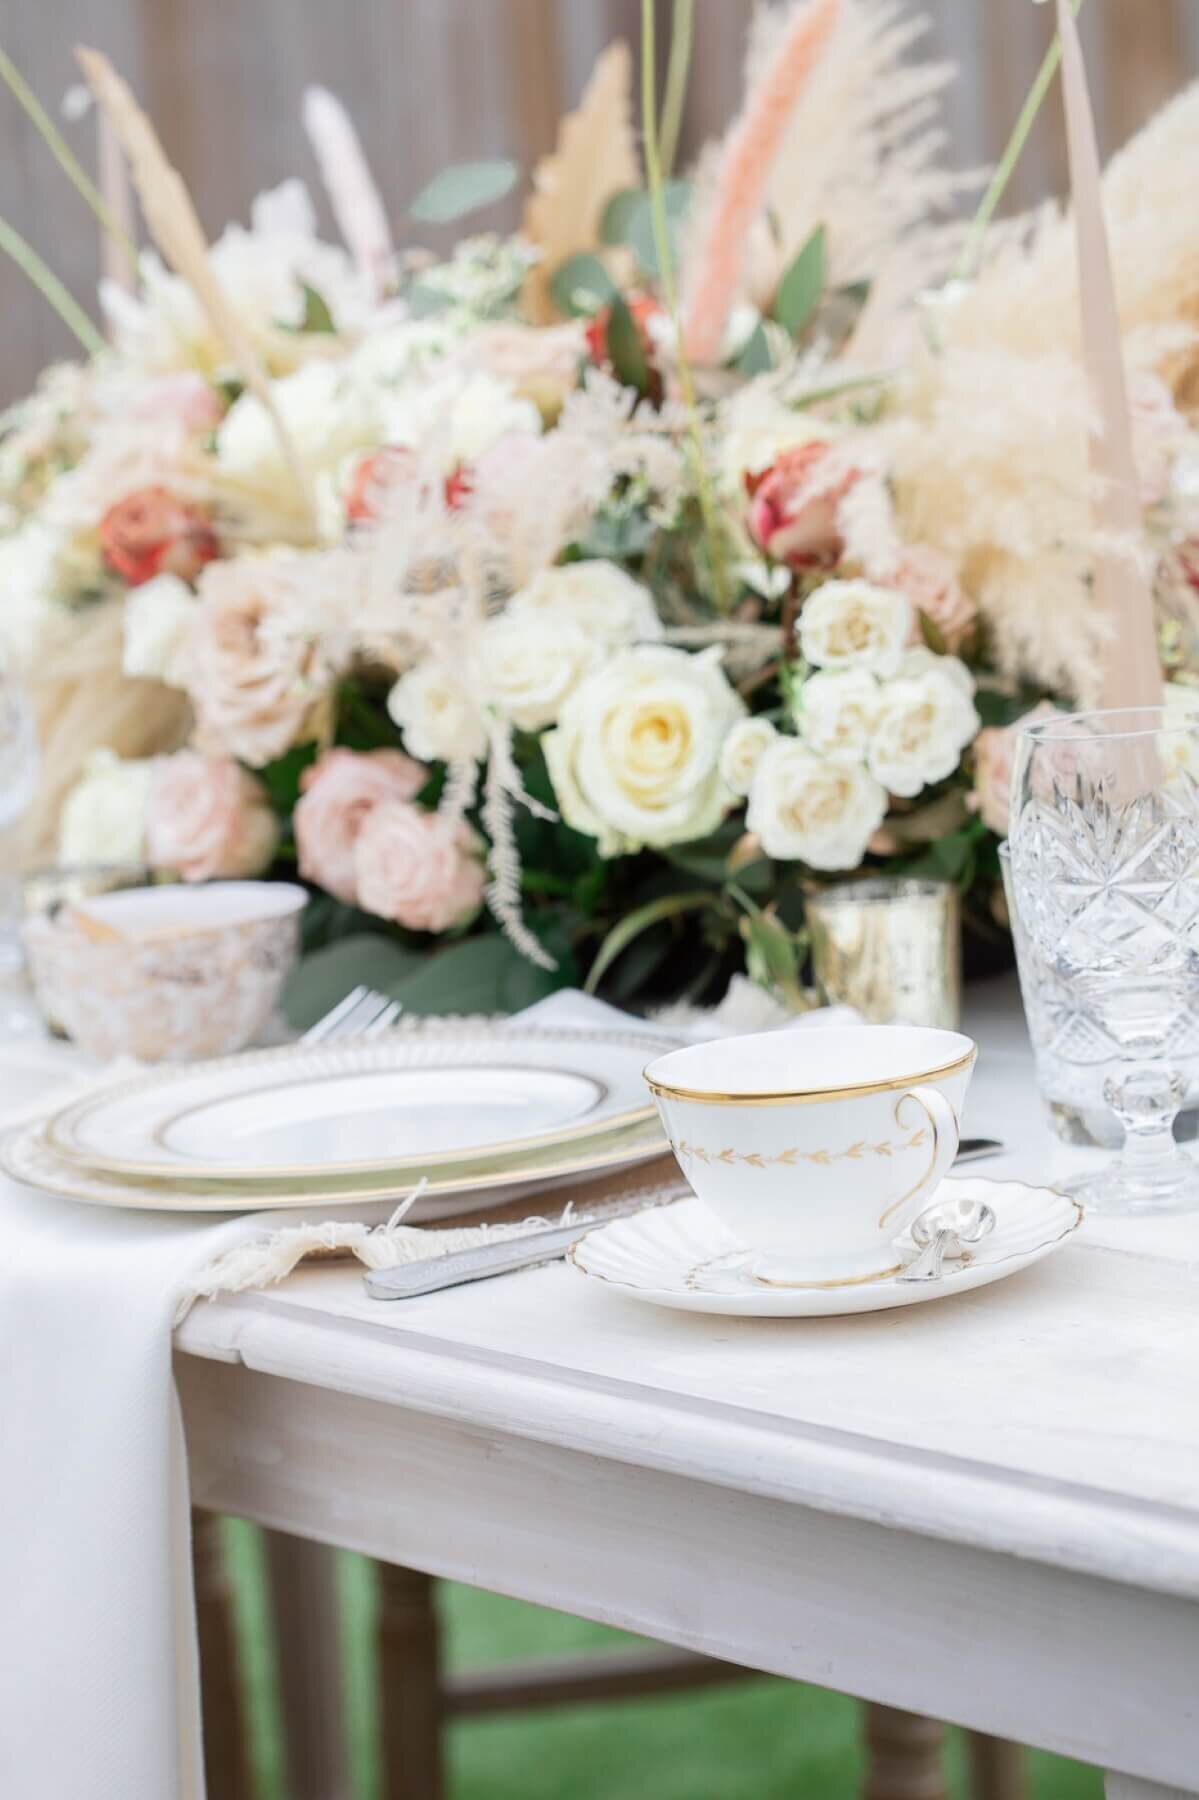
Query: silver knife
x,y
479,1263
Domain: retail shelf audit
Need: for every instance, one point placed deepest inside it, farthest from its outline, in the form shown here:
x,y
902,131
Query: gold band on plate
x,y
846,1280
810,1097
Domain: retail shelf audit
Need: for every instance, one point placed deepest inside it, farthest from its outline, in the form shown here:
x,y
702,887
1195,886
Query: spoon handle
x,y
927,1266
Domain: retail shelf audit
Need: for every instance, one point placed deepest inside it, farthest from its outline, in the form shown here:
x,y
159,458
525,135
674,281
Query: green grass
x,y
766,1740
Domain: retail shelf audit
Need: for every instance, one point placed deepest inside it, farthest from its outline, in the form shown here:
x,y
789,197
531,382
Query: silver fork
x,y
362,1014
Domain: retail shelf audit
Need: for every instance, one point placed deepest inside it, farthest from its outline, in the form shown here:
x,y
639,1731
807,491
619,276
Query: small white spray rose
x,y
528,668
104,817
806,809
839,712
926,717
855,625
157,618
743,750
440,720
635,756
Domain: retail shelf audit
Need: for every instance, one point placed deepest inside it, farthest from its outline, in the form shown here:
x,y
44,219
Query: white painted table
x,y
985,1510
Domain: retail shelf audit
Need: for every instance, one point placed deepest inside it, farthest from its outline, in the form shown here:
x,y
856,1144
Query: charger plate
x,y
26,1156
390,1110
682,1257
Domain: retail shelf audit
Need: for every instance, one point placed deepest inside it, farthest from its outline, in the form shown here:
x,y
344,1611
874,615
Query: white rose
x,y
439,719
855,625
326,416
635,756
103,819
805,809
528,668
599,598
756,426
158,617
839,710
743,750
463,414
926,718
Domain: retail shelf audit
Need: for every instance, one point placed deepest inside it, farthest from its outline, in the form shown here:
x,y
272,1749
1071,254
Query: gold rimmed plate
x,y
423,1099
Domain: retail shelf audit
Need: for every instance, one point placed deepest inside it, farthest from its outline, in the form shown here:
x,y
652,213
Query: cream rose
x,y
253,671
635,757
156,622
806,809
208,819
340,791
528,668
326,415
926,717
103,819
440,720
743,750
855,625
604,602
419,868
839,711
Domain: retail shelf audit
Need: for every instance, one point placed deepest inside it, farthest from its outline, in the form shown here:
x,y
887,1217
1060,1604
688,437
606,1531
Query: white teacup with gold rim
x,y
817,1148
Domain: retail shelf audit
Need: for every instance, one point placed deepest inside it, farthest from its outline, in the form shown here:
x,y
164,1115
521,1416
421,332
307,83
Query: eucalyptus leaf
x,y
622,934
425,302
317,316
478,975
773,955
754,356
327,976
802,286
628,220
463,188
581,285
626,352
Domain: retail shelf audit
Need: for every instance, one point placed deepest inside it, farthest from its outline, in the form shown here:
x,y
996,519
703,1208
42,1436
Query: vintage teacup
x,y
817,1147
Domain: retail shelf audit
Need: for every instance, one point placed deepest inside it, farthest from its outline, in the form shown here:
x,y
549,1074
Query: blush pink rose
x,y
184,398
340,791
794,507
994,754
418,868
930,581
208,819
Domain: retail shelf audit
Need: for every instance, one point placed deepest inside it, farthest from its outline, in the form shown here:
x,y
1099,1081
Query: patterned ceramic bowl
x,y
167,974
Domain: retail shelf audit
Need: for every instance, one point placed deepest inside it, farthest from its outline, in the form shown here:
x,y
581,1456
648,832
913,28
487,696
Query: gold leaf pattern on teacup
x,y
754,1159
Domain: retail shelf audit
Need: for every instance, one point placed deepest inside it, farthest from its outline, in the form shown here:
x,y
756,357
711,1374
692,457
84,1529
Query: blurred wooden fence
x,y
430,81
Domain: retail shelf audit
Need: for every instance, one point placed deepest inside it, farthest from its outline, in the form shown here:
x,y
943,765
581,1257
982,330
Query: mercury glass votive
x,y
891,948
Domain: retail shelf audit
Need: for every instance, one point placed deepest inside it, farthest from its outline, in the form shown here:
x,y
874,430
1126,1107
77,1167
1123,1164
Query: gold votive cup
x,y
891,948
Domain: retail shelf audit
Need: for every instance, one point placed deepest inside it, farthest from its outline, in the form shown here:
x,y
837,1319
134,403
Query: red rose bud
x,y
793,512
153,532
385,471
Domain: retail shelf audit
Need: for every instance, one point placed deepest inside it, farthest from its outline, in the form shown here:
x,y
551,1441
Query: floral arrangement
x,y
579,600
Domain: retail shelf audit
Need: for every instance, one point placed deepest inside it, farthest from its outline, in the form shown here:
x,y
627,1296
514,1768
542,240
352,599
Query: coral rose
x,y
254,672
341,790
153,532
419,868
793,507
645,311
930,581
208,819
382,472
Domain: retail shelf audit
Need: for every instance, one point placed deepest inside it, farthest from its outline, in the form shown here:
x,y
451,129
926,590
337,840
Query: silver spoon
x,y
942,1230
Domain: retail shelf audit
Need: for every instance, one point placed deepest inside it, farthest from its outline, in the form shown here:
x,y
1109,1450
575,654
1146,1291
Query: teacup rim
x,y
807,1096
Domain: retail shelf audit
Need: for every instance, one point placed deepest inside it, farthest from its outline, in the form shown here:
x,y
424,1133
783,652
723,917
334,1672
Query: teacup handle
x,y
943,1122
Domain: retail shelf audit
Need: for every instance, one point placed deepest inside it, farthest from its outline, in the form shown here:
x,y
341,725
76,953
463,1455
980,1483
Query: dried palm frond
x,y
357,206
595,157
747,158
173,224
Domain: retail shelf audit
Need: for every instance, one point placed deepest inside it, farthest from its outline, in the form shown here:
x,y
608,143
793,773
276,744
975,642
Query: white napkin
x,y
100,1696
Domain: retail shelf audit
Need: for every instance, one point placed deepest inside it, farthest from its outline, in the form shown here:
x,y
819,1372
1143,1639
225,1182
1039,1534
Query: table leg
x,y
302,1576
905,1753
996,1768
226,1761
1127,1787
410,1685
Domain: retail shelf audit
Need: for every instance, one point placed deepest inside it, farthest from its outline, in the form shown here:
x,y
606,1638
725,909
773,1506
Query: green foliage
x,y
996,707
802,287
464,188
626,352
581,285
281,778
754,356
317,316
628,220
670,907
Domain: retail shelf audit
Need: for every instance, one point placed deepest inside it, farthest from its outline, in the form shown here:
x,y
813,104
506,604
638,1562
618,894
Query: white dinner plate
x,y
453,1188
408,1104
682,1257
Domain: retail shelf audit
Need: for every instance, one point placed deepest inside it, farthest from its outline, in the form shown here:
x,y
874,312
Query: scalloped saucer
x,y
681,1256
